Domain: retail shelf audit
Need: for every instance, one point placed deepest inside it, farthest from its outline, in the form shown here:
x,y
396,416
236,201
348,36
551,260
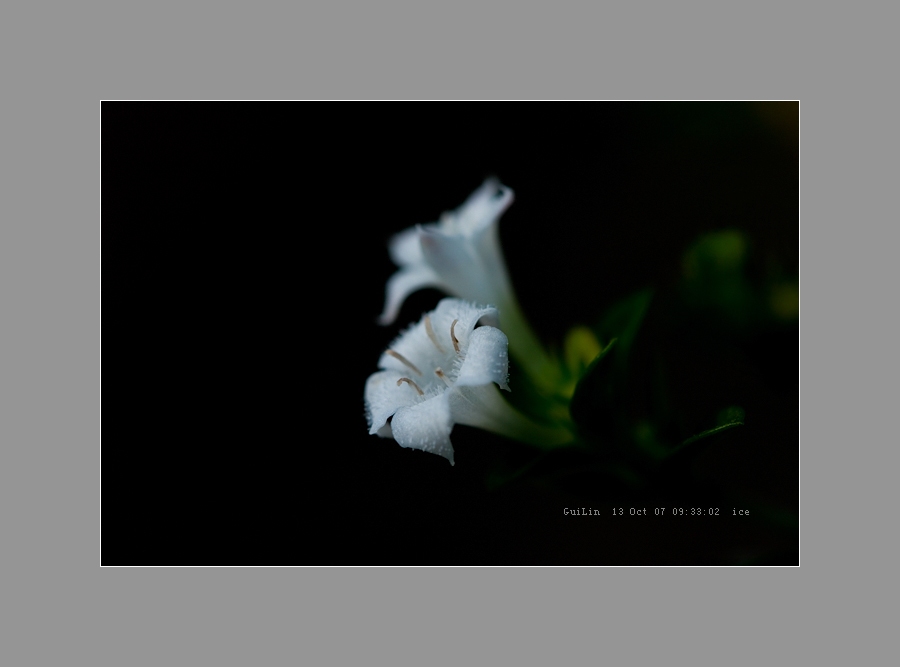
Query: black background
x,y
244,264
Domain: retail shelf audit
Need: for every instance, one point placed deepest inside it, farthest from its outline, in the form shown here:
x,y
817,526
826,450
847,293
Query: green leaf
x,y
715,276
706,434
597,402
593,404
728,419
623,321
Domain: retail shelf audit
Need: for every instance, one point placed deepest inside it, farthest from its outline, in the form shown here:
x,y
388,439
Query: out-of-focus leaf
x,y
714,275
580,348
599,395
593,405
784,300
715,255
623,321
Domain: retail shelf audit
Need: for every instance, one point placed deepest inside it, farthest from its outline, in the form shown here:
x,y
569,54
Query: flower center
x,y
438,371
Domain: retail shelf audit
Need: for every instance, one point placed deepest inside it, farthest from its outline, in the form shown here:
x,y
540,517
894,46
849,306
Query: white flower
x,y
461,255
445,371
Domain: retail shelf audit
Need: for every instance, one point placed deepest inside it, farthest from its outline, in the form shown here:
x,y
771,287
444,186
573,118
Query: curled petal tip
x,y
458,254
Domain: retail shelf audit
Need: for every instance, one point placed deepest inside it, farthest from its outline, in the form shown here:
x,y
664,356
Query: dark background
x,y
245,259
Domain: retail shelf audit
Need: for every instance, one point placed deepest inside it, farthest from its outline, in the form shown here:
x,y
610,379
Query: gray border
x,y
62,601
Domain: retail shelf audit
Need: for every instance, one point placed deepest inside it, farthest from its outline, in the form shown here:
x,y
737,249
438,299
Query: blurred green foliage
x,y
627,404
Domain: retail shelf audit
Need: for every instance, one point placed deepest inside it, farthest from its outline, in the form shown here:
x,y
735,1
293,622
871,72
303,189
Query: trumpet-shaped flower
x,y
443,371
461,255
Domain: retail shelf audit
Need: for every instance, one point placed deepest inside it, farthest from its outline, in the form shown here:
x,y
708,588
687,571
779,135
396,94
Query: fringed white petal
x,y
487,359
383,397
404,247
466,314
402,284
425,426
483,207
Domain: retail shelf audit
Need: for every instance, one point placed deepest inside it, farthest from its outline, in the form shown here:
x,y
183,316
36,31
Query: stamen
x,y
430,331
404,360
453,337
411,384
443,376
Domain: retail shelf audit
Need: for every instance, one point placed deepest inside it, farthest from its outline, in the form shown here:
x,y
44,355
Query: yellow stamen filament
x,y
404,361
430,331
442,375
453,336
411,384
